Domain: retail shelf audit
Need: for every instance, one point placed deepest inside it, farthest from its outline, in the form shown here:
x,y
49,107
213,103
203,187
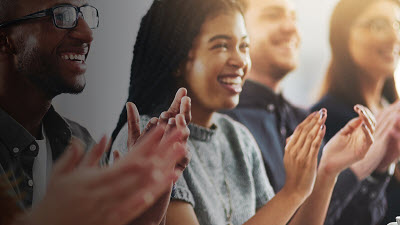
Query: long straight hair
x,y
342,78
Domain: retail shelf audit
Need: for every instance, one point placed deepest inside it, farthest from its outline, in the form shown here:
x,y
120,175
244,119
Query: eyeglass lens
x,y
66,16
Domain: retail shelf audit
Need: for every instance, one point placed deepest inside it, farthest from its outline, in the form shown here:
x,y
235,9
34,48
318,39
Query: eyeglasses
x,y
381,26
64,16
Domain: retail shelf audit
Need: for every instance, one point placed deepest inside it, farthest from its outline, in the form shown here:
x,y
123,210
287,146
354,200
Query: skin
x,y
204,70
377,54
220,51
32,73
105,195
275,40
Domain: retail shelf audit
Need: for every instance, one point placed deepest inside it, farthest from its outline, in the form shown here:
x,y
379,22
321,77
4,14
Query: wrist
x,y
326,172
382,174
294,195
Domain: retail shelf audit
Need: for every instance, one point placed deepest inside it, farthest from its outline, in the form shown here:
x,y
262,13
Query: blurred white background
x,y
98,107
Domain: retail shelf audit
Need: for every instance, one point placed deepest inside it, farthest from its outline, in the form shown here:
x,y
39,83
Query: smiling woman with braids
x,y
203,46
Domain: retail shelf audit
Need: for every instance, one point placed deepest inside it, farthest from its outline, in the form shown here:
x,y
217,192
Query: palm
x,y
345,149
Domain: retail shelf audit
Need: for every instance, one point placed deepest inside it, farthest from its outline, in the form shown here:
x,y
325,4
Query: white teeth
x,y
73,57
231,80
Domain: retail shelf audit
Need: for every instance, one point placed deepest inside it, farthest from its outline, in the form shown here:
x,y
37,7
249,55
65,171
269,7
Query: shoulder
x,y
230,126
237,134
122,137
81,133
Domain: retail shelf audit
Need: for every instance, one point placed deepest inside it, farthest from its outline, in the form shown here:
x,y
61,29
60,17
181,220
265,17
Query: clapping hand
x,y
350,144
301,154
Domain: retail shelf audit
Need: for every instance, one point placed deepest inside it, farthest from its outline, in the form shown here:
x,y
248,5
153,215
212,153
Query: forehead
x,y
382,8
25,7
231,24
261,5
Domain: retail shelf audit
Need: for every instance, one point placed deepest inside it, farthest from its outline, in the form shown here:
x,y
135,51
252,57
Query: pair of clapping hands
x,y
348,146
81,192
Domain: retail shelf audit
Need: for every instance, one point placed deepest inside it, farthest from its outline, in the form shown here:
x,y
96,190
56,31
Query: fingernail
x,y
321,114
164,115
153,120
171,121
322,127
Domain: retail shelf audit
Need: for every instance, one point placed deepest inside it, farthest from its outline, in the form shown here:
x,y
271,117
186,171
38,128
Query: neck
x,y
202,116
23,101
266,79
371,90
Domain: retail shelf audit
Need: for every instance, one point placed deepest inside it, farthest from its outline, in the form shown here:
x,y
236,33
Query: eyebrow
x,y
223,36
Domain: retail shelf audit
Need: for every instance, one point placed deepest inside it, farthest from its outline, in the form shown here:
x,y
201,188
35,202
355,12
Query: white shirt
x,y
42,166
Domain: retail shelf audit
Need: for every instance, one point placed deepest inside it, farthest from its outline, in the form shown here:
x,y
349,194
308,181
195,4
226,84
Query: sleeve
x,y
182,192
354,202
263,188
121,140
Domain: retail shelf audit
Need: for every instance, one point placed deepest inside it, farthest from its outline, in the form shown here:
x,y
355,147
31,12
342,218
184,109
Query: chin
x,y
231,104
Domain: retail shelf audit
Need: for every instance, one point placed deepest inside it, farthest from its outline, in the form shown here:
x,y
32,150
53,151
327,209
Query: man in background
x,y
274,49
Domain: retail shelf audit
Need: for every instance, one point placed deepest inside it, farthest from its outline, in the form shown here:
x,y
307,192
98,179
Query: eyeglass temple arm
x,y
28,17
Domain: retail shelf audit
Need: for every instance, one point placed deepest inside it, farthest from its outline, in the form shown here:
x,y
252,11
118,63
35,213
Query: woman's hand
x,y
301,154
350,144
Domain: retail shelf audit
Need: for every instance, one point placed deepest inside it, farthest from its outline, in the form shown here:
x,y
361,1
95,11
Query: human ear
x,y
6,46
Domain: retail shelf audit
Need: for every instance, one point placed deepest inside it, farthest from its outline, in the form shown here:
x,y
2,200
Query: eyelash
x,y
225,45
222,45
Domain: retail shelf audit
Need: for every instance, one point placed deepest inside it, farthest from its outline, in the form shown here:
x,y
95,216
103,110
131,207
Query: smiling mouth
x,y
81,58
232,83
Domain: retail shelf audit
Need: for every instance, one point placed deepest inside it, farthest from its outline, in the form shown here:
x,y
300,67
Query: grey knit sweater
x,y
226,152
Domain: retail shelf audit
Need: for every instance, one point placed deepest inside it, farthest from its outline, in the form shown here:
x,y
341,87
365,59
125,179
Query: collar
x,y
17,139
255,94
201,133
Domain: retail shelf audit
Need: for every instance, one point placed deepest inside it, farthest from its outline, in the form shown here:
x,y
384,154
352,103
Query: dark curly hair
x,y
162,46
342,77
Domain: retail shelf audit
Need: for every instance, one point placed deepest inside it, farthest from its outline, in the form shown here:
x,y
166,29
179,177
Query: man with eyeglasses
x,y
43,52
274,49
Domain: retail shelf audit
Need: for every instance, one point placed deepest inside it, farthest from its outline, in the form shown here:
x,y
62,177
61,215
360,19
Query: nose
x,y
289,25
82,31
238,59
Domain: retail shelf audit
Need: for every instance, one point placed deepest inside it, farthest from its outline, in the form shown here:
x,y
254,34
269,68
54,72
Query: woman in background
x,y
365,45
203,46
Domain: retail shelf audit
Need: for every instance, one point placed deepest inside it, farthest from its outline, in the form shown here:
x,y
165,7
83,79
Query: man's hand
x,y
80,192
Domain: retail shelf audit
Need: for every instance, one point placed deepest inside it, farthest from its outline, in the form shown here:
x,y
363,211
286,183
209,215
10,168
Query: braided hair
x,y
162,46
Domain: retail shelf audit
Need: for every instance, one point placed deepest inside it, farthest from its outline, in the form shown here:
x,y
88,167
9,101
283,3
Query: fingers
x,y
368,134
176,103
316,144
297,132
310,133
150,125
366,115
92,158
181,125
69,160
133,123
177,106
185,109
351,126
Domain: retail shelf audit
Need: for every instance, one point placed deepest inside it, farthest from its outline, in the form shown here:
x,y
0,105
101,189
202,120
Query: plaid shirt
x,y
18,150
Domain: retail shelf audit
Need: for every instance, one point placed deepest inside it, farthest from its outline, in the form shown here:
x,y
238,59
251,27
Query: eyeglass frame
x,y
50,12
394,25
